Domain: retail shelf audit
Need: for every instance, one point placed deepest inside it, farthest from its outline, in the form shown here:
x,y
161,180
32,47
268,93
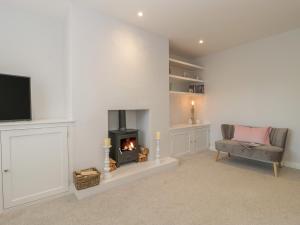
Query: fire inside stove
x,y
128,144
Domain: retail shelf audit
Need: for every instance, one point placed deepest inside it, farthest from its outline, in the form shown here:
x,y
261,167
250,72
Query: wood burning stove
x,y
124,142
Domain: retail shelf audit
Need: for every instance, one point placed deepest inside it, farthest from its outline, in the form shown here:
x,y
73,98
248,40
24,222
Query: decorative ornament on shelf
x,y
157,138
107,146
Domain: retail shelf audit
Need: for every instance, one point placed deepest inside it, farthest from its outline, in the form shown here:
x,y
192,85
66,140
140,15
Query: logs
x,y
143,155
144,151
112,165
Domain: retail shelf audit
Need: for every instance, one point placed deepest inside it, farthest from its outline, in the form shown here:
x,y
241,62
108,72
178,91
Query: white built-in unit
x,y
184,64
34,162
185,78
189,138
183,93
186,87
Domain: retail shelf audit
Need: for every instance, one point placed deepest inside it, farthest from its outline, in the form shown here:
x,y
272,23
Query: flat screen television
x,y
15,98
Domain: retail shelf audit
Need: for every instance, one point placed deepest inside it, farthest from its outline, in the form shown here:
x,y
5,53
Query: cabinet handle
x,y
6,171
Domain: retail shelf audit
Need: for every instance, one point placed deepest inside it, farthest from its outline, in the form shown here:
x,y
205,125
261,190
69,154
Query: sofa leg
x,y
275,168
280,164
217,157
229,155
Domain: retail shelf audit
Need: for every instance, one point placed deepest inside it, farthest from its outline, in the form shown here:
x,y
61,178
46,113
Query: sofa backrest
x,y
278,136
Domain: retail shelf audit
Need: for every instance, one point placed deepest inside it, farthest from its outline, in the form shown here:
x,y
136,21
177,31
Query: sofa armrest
x,y
227,131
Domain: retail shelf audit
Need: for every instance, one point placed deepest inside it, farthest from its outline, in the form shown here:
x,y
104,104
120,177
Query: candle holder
x,y
106,162
157,155
193,113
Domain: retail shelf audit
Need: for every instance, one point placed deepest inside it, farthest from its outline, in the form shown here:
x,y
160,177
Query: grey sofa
x,y
270,153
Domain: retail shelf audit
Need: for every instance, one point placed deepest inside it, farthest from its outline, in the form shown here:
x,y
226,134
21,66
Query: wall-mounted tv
x,y
15,98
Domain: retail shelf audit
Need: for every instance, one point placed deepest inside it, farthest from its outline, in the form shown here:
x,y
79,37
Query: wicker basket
x,y
86,181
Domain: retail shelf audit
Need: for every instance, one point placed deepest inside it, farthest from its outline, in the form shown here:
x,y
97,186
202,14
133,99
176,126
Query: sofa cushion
x,y
261,152
278,136
252,134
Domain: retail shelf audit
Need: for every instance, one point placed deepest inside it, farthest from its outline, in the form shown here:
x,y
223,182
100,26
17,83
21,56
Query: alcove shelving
x,y
188,132
185,78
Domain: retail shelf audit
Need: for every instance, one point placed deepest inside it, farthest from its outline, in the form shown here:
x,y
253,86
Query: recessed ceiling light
x,y
140,14
201,41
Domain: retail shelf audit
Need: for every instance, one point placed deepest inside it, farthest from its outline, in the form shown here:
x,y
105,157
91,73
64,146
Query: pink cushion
x,y
258,135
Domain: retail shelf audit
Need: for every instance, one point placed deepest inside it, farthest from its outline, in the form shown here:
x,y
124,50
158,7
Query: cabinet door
x,y
35,164
201,139
192,141
179,142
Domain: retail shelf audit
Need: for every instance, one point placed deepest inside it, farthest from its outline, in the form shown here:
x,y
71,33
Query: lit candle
x,y
157,135
193,112
107,142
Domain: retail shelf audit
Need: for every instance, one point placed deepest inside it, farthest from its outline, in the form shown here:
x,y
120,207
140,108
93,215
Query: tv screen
x,y
15,98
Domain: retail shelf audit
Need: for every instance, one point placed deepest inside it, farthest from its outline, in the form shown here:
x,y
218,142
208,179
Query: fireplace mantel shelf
x,y
128,173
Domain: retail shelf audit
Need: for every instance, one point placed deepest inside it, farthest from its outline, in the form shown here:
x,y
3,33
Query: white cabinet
x,y
201,139
34,163
189,139
179,142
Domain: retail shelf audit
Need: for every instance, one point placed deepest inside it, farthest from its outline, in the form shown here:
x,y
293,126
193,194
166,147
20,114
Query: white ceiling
x,y
220,23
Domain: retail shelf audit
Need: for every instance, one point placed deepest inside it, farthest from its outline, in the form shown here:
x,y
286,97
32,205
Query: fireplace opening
x,y
128,144
124,142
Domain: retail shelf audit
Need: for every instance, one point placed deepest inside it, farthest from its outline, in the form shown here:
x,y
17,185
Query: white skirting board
x,y
292,165
128,173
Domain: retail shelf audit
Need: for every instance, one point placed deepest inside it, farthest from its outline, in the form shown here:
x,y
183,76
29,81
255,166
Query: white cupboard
x,y
189,139
34,162
201,139
179,142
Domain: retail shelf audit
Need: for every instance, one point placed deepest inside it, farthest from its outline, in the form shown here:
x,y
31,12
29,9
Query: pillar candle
x,y
157,135
193,112
107,142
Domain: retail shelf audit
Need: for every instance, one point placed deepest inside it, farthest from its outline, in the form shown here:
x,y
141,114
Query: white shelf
x,y
184,126
185,93
35,124
185,64
185,78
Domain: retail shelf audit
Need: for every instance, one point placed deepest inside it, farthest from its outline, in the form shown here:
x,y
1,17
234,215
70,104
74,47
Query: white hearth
x,y
127,174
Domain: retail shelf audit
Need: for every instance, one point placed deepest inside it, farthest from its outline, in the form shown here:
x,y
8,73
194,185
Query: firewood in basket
x,y
88,173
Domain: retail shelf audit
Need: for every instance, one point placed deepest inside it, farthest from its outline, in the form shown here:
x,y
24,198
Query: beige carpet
x,y
200,191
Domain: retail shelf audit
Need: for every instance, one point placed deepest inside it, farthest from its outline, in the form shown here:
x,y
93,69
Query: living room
x,y
163,76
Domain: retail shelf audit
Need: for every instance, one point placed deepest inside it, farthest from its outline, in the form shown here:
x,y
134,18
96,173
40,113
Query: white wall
x,y
113,119
114,66
33,45
257,84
